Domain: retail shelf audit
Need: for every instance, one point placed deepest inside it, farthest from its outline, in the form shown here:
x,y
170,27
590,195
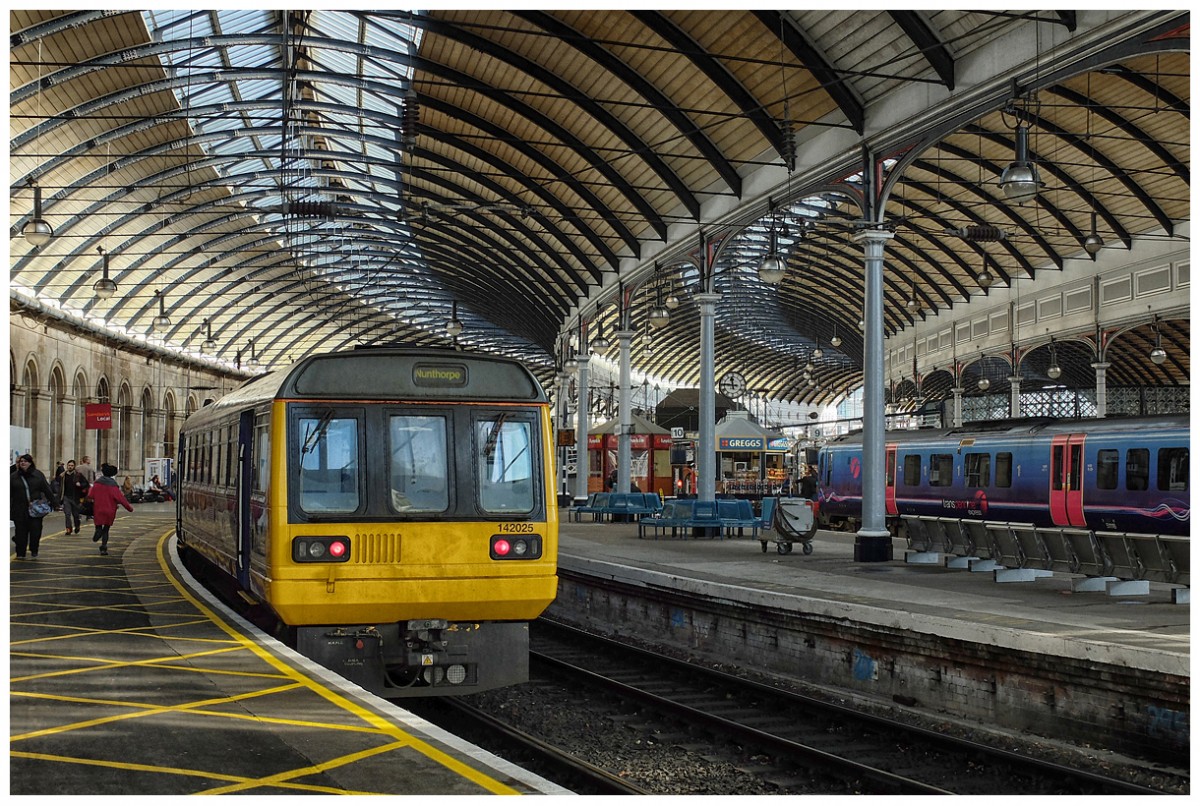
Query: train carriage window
x,y
328,463
230,454
419,473
912,470
978,467
1137,469
1004,466
941,470
504,462
1173,469
1108,465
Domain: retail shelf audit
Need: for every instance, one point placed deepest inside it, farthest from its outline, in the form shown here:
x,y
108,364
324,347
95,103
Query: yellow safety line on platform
x,y
404,739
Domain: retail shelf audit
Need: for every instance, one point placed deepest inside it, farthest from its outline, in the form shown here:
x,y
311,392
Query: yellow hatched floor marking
x,y
89,632
219,776
197,708
375,720
102,664
146,710
285,777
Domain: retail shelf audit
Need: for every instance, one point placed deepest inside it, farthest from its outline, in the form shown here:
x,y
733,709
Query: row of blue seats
x,y
717,518
603,506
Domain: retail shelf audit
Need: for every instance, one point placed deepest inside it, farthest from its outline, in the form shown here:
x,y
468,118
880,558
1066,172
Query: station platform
x,y
124,680
1044,616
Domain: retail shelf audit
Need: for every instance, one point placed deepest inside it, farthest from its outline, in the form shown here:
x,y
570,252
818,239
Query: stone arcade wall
x,y
56,366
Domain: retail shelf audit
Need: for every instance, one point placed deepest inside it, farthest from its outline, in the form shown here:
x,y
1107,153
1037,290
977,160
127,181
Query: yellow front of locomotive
x,y
426,551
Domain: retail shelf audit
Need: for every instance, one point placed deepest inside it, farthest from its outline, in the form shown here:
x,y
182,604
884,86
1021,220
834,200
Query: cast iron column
x,y
624,337
873,542
706,446
581,431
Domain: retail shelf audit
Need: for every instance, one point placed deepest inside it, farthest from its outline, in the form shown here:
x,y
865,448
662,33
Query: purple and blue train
x,y
1127,474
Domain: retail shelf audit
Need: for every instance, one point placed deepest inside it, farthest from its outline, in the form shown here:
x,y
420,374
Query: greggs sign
x,y
741,444
97,416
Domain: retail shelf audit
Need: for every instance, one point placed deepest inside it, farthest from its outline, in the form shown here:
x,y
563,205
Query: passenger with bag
x,y
106,495
74,490
30,500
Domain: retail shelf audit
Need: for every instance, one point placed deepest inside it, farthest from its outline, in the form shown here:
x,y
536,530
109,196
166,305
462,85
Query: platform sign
x,y
566,437
97,416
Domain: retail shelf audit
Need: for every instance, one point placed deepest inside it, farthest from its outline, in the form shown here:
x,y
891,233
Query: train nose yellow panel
x,y
375,548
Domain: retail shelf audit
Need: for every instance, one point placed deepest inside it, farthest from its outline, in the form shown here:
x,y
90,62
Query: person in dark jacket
x,y
27,484
74,489
808,484
106,495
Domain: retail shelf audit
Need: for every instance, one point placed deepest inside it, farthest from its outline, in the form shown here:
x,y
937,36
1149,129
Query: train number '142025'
x,y
514,528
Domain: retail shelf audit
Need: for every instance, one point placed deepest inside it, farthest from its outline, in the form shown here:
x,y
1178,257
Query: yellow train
x,y
394,508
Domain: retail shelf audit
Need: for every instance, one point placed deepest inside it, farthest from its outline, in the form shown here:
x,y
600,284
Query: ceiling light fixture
x,y
454,326
773,268
1093,243
162,321
1158,355
1020,181
37,230
104,287
1054,371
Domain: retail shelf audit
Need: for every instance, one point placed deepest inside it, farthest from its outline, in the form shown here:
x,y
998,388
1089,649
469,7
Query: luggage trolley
x,y
794,522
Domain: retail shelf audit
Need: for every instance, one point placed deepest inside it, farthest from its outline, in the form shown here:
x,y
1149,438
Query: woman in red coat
x,y
106,494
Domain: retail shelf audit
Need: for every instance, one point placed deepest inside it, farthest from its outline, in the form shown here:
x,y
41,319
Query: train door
x,y
1066,480
889,471
243,486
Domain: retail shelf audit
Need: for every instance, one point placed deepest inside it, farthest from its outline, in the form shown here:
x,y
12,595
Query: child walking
x,y
106,494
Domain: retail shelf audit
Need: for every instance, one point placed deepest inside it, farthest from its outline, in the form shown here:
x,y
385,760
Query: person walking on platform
x,y
808,484
85,468
74,490
30,500
106,495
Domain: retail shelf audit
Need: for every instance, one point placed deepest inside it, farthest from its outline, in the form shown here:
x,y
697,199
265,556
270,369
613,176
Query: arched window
x,y
79,431
123,418
29,414
57,423
103,443
147,424
169,424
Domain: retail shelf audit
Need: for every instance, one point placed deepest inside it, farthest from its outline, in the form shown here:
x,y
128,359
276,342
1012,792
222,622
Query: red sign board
x,y
97,416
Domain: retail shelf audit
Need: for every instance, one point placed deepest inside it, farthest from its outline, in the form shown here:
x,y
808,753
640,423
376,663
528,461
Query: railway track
x,y
791,743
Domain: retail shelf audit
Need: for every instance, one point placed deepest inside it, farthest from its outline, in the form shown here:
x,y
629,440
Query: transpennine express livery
x,y
1127,474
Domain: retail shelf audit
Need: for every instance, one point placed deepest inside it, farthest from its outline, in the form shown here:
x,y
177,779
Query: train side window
x,y
1137,469
1173,469
419,476
1108,463
912,470
941,470
1004,466
978,468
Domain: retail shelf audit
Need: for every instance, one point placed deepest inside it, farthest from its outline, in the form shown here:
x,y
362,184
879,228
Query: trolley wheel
x,y
808,548
783,548
764,546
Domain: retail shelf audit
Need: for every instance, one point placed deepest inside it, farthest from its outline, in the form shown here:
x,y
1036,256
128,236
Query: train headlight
x,y
524,547
455,674
321,549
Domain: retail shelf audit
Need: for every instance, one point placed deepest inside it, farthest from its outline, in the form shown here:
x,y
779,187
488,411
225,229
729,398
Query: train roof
x,y
392,373
1026,426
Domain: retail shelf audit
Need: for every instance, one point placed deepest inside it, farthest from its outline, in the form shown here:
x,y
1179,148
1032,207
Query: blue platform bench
x,y
595,504
715,518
